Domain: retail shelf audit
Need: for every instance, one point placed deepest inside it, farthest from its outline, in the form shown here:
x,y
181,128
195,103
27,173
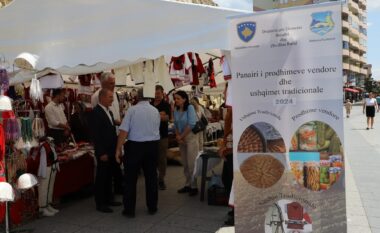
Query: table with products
x,y
77,169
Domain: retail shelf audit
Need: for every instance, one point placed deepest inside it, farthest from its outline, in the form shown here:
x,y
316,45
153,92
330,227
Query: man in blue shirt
x,y
140,126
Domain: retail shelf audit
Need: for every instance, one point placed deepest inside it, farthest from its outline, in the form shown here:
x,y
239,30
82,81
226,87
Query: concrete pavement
x,y
363,153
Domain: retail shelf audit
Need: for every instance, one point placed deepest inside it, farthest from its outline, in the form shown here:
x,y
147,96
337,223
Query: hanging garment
x,y
121,75
161,73
11,129
196,69
38,127
2,154
225,62
4,81
137,72
36,90
211,73
179,71
26,141
149,79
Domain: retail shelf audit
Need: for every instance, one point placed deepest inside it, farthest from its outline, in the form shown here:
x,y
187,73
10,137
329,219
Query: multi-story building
x,y
354,20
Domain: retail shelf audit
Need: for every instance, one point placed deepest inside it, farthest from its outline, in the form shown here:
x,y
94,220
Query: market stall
x,y
77,48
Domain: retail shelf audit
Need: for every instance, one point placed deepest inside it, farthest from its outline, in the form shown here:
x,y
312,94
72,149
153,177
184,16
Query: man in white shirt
x,y
58,128
107,81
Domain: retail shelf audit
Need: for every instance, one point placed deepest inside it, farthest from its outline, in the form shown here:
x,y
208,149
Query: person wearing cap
x,y
58,127
107,81
104,139
141,126
164,108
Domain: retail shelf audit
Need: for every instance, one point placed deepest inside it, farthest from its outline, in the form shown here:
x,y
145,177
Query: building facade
x,y
354,23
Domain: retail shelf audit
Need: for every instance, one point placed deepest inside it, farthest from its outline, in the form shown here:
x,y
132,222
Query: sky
x,y
373,32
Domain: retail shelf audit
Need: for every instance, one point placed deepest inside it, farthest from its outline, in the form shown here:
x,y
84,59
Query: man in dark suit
x,y
104,138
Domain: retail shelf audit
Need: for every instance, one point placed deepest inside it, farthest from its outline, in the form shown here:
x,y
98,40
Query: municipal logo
x,y
246,31
322,22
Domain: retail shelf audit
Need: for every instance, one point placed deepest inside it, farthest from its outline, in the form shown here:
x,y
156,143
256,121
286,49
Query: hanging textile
x,y
196,69
11,127
179,70
4,81
149,79
36,90
137,72
121,75
162,74
38,127
225,62
26,141
2,155
211,73
26,129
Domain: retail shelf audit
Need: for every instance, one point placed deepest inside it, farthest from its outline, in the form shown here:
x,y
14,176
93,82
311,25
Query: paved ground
x,y
177,213
181,213
363,151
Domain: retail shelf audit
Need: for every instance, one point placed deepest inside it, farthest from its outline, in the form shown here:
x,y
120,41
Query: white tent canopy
x,y
85,36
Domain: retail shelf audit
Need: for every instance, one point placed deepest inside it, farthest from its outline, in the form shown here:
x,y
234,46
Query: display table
x,y
77,170
74,175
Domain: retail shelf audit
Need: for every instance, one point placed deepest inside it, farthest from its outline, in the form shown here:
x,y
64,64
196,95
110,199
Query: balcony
x,y
354,68
363,60
355,18
354,7
346,38
355,57
345,10
346,66
354,32
364,71
354,44
345,24
363,24
346,52
362,48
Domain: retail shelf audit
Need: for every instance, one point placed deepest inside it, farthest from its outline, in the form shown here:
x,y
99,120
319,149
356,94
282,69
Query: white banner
x,y
288,128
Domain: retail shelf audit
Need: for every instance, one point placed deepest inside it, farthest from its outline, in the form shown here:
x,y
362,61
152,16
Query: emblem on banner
x,y
246,31
322,22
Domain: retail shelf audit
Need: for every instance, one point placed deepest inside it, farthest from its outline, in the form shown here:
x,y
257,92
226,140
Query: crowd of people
x,y
138,141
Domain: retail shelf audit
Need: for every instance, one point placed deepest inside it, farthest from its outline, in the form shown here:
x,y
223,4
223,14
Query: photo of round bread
x,y
262,171
251,141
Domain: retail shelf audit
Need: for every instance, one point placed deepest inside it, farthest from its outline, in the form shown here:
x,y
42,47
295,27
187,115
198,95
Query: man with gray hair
x,y
141,126
107,81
